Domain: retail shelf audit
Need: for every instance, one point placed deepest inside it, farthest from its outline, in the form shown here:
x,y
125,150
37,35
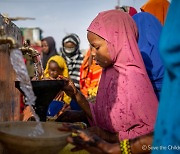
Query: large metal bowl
x,y
14,138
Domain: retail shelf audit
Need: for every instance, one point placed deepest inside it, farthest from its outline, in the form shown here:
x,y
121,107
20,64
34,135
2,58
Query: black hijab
x,y
52,50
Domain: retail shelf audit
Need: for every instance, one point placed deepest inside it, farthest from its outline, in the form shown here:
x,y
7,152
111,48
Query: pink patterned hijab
x,y
125,102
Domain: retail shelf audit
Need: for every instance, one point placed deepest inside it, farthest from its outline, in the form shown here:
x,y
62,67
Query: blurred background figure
x,y
90,74
70,51
48,49
158,8
129,9
149,30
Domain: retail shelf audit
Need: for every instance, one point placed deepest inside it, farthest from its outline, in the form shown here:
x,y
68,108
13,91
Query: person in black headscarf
x,y
70,51
48,49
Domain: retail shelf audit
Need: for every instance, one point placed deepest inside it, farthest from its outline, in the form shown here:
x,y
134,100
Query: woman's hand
x,y
72,127
92,143
83,139
105,135
69,86
48,78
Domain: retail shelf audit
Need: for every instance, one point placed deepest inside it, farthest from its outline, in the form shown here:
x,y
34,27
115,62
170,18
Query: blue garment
x,y
167,128
54,108
74,105
149,29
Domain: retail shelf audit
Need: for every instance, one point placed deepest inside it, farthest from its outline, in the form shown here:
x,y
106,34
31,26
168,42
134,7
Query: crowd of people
x,y
126,86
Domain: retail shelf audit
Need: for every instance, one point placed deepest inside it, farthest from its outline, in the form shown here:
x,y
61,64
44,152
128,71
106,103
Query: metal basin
x,y
14,138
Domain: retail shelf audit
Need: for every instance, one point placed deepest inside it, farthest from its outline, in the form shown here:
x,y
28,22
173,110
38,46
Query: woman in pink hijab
x,y
126,104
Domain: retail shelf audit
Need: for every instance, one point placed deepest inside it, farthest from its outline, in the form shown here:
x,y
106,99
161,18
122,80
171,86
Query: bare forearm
x,y
84,104
142,144
138,145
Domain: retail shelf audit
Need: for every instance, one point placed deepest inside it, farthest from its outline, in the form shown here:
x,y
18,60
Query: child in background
x,y
56,67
